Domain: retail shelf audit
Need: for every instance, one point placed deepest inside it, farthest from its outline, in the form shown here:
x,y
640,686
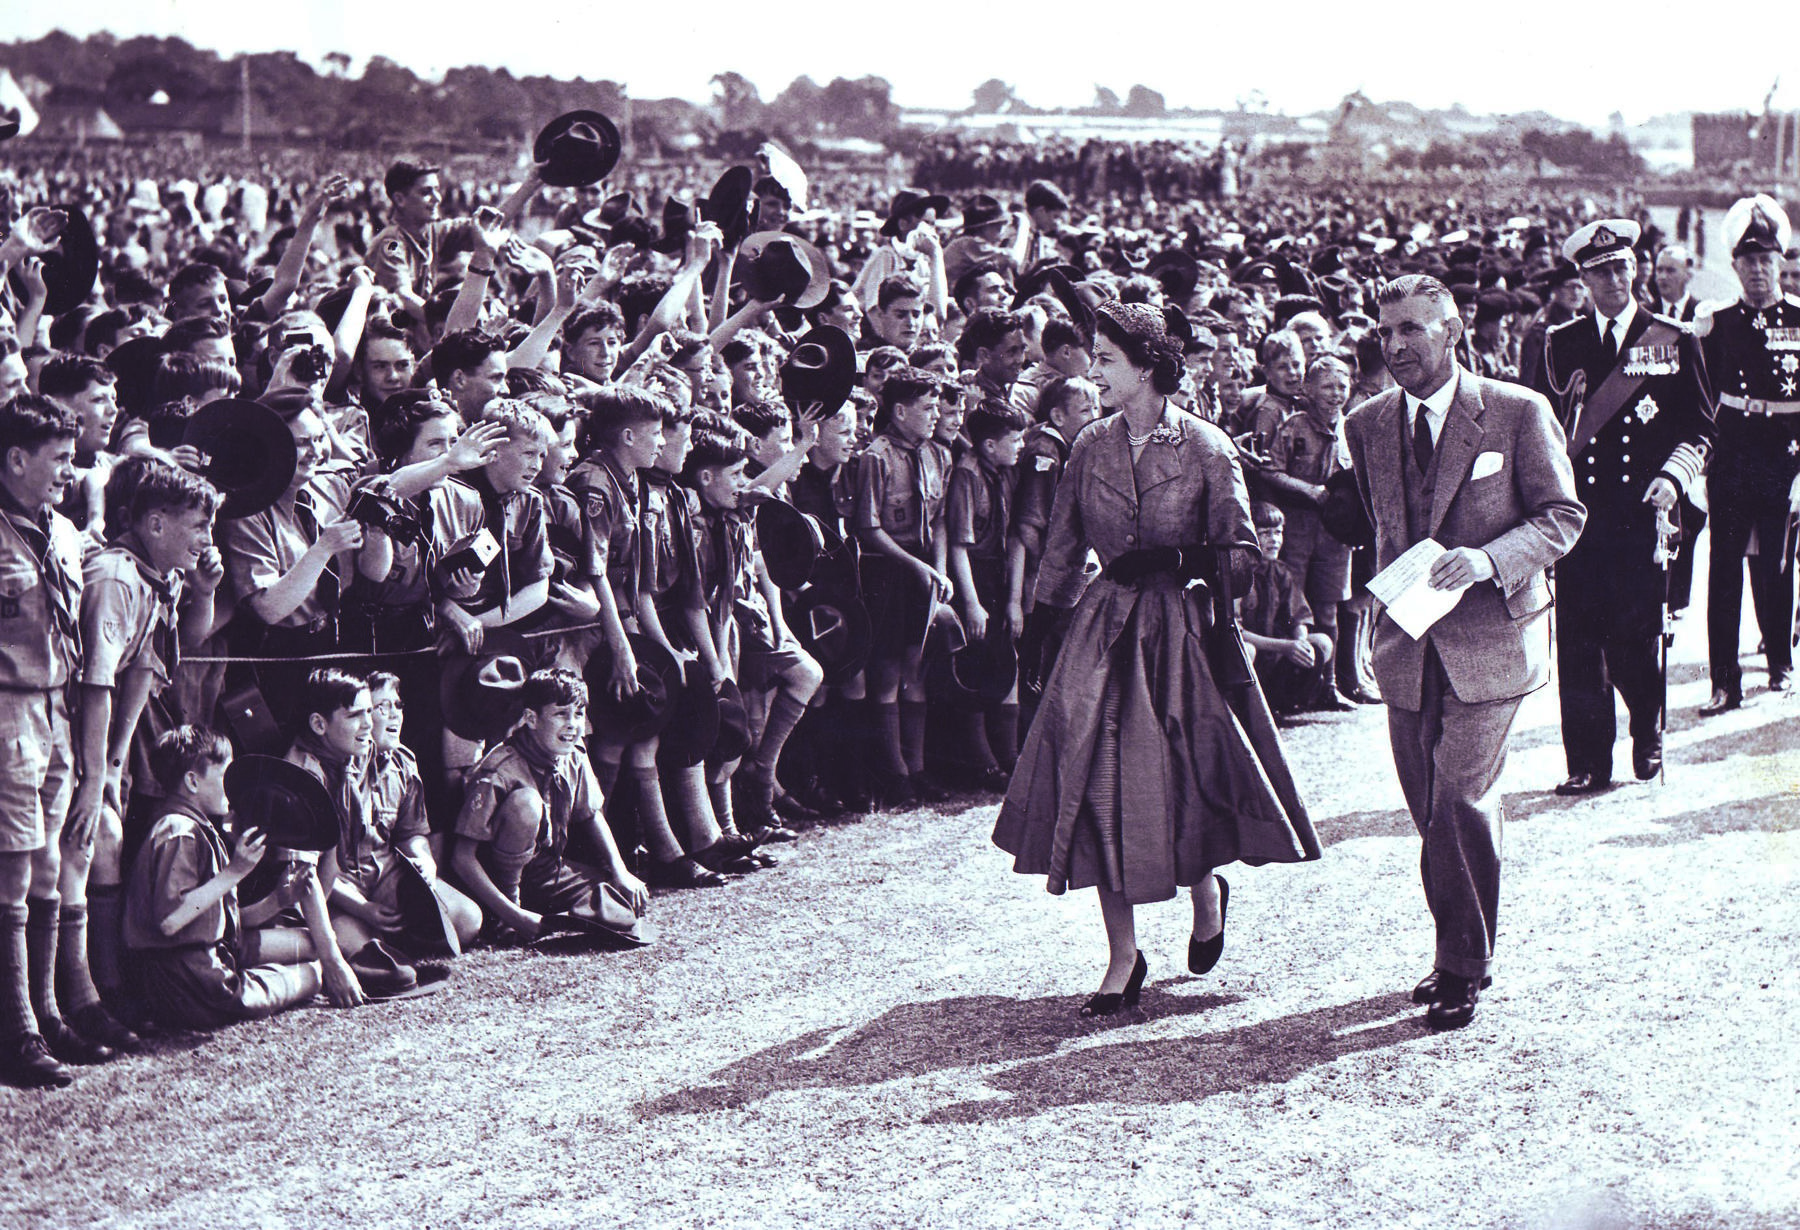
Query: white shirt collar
x,y
1624,319
1437,406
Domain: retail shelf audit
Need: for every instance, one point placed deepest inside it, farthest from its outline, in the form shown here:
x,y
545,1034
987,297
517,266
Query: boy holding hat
x,y
203,961
526,799
912,250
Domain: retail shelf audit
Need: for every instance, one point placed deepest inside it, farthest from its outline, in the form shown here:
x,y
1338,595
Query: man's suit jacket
x,y
1523,512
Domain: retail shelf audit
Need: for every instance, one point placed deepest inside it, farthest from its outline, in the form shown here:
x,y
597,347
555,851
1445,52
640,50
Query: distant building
x,y
1725,141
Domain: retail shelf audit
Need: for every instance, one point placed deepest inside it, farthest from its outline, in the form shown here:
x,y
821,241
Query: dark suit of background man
x,y
1479,465
1753,357
1632,394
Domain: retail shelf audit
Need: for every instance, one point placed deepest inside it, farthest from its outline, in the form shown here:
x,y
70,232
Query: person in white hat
x,y
1753,357
1635,404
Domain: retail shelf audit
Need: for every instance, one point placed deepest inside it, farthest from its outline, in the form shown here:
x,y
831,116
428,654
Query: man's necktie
x,y
1422,446
1611,343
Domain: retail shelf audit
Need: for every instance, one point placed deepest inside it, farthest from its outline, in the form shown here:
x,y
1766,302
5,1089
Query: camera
x,y
309,363
384,513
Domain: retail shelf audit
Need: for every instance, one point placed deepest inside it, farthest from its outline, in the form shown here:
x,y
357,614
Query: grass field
x,y
881,1032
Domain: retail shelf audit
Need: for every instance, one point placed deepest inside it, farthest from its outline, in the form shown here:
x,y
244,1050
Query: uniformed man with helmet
x,y
1753,355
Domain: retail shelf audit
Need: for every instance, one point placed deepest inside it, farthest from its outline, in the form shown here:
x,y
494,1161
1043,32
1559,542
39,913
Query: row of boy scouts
x,y
550,572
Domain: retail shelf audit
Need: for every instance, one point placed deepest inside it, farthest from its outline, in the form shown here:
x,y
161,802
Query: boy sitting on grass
x,y
1291,659
526,799
202,962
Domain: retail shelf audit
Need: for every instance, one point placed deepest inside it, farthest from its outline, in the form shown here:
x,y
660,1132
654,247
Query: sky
x,y
1304,55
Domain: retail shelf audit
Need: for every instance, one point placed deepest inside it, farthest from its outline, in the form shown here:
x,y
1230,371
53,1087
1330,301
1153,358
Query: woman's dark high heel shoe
x,y
1108,1003
1204,954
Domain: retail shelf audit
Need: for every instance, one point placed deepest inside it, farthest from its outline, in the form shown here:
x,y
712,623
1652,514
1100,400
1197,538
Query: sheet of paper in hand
x,y
1405,589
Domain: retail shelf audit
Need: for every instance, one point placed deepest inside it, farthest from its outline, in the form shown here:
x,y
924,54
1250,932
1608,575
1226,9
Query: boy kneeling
x,y
525,800
201,961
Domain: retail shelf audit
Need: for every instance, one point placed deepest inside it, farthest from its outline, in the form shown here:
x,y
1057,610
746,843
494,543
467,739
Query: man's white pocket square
x,y
1485,464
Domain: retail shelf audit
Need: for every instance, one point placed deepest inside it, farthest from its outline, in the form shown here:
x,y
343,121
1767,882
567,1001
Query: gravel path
x,y
882,1033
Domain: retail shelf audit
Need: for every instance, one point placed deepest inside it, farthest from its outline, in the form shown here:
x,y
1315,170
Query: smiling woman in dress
x,y
1138,777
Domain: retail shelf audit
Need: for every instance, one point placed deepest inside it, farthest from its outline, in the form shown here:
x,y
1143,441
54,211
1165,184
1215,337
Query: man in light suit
x,y
1480,466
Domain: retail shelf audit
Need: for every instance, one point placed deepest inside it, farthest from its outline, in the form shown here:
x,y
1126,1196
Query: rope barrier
x,y
230,659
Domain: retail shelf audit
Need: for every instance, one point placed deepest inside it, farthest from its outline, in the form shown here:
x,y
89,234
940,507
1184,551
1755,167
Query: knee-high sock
x,y
785,713
106,934
884,739
972,748
75,987
506,863
653,822
41,917
1003,734
719,791
912,735
689,806
16,1017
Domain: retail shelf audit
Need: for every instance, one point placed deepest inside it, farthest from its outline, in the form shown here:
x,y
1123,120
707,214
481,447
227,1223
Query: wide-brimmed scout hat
x,y
291,807
821,369
770,265
250,454
576,149
482,693
644,713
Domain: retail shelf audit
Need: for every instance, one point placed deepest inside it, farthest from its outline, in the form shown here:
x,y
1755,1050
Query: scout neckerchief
x,y
167,589
57,586
498,510
1655,353
330,583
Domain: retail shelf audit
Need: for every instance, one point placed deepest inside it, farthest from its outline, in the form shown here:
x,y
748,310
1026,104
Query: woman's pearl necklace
x,y
1138,441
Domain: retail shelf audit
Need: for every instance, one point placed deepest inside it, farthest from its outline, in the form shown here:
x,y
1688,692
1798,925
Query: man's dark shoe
x,y
27,1062
1584,783
71,1047
1647,761
1453,1006
1781,680
1427,989
1364,696
1720,702
814,793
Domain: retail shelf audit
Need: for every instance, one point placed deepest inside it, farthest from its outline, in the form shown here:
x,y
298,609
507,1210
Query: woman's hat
x,y
291,807
791,542
482,693
576,149
822,369
646,712
249,451
777,265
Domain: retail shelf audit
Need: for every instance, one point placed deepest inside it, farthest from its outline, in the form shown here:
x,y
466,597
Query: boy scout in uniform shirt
x,y
200,960
899,520
284,567
978,519
1305,450
40,587
131,593
525,800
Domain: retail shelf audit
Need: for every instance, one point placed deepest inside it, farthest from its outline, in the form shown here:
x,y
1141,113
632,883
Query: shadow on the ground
x,y
1771,737
914,1039
1157,1071
1771,814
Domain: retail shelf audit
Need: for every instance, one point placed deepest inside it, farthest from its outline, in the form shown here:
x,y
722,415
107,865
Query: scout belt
x,y
1758,405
